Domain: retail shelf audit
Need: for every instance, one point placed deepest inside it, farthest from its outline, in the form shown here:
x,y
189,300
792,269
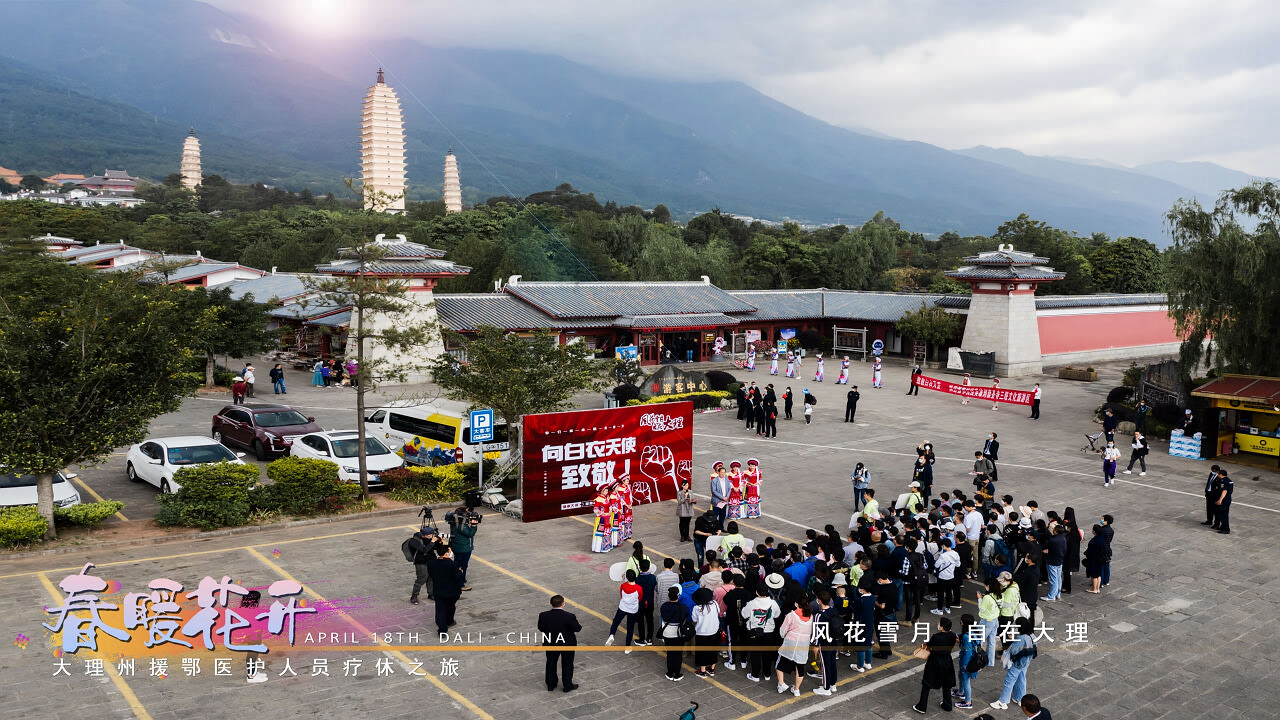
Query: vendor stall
x,y
1247,410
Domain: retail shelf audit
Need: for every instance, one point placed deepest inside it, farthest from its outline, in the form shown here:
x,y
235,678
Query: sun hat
x,y
774,580
1005,576
914,484
717,465
839,579
237,379
752,461
1025,523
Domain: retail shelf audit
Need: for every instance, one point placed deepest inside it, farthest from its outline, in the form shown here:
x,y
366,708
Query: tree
x,y
517,375
236,328
386,317
929,324
1127,265
1222,279
87,361
32,182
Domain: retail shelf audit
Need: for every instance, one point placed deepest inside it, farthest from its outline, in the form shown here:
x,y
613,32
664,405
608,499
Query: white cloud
x,y
1131,82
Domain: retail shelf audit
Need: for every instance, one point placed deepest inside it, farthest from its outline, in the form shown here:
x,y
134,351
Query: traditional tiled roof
x,y
117,252
615,299
270,288
301,311
196,270
1244,387
466,312
342,319
834,304
1048,302
675,322
91,250
392,266
1006,255
1005,272
49,239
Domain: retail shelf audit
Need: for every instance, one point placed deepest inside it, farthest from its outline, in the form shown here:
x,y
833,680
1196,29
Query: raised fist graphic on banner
x,y
684,471
658,463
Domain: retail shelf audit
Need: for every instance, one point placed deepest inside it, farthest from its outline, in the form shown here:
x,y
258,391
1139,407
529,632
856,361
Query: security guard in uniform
x,y
1212,486
1224,502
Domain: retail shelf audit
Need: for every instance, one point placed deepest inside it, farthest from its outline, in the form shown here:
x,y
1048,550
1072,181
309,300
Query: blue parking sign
x,y
481,426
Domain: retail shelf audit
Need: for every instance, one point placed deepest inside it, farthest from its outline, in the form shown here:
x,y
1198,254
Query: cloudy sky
x,y
1129,82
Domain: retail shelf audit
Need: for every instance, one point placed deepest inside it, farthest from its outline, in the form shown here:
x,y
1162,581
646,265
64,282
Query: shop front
x,y
675,338
1247,413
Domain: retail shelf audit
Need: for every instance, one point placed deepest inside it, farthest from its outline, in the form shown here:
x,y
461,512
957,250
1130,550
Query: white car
x,y
18,489
341,447
156,460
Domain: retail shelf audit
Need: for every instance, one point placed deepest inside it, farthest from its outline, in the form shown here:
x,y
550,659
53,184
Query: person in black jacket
x,y
761,417
1109,423
991,451
1071,563
788,399
742,401
1212,489
670,616
446,577
1139,453
915,372
939,670
771,419
851,404
559,628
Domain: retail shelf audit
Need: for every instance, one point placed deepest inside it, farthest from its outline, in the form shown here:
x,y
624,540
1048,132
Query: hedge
x,y
701,400
87,514
304,485
209,496
429,485
21,525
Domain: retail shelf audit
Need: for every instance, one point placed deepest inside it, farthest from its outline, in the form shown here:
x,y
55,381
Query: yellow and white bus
x,y
419,431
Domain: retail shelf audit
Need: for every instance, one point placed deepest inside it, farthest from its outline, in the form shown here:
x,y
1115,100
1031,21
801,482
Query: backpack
x,y
1033,653
917,574
977,660
414,546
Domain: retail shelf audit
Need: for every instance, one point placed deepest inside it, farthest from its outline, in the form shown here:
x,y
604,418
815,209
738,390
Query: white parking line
x,y
1003,464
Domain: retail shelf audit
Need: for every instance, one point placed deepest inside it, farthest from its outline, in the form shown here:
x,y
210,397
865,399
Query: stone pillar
x,y
1006,325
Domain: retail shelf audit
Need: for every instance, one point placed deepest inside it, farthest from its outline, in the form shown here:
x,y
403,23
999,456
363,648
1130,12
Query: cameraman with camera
x,y
463,524
422,547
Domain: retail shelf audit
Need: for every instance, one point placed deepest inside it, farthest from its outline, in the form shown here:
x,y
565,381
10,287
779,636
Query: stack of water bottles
x,y
1184,446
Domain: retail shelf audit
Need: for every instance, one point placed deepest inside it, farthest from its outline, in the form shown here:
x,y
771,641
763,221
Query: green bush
x,y
21,525
87,514
701,400
1133,375
307,485
209,496
430,485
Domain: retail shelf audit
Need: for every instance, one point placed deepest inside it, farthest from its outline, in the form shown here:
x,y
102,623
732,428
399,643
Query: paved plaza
x,y
1183,631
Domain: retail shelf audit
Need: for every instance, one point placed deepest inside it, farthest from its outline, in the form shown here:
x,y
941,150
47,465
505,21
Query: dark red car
x,y
264,429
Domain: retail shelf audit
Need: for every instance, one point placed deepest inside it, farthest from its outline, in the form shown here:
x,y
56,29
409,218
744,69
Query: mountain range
x,y
271,105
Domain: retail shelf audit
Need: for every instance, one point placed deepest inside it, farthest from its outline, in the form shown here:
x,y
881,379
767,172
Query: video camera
x,y
463,516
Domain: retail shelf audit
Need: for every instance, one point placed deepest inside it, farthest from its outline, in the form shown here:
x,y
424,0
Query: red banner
x,y
568,455
1012,397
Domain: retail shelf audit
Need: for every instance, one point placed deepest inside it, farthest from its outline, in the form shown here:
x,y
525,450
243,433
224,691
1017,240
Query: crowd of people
x,y
790,611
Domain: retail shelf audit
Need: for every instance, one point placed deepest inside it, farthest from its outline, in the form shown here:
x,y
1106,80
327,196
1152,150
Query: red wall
x,y
1075,333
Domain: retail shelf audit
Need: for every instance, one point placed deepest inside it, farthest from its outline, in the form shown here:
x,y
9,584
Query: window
x,y
239,416
151,450
199,454
280,418
377,417
349,447
316,443
499,435
423,428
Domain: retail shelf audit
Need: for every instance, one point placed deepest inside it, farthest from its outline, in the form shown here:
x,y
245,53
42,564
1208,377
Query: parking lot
x,y
1179,634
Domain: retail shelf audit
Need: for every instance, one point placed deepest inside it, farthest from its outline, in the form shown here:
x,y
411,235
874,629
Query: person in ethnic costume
x,y
818,374
735,491
773,362
602,537
751,504
626,497
966,382
615,515
875,374
844,372
995,385
791,364
751,358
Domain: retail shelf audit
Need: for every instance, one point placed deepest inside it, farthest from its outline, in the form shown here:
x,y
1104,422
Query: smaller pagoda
x,y
1002,312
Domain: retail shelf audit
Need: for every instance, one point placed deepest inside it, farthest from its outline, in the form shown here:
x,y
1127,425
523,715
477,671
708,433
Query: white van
x,y
416,430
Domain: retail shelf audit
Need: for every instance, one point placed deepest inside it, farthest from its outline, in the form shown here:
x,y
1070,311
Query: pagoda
x,y
1002,312
452,184
382,166
190,168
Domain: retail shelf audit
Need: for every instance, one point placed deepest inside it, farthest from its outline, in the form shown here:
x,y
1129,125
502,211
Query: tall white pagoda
x,y
190,168
382,149
452,184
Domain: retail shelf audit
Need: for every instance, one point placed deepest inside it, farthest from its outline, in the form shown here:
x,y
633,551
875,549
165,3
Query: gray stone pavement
x,y
1180,633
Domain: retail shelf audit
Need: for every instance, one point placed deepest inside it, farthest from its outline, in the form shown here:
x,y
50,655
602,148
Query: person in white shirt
x,y
1110,456
973,526
761,616
853,548
249,378
1035,403
945,566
